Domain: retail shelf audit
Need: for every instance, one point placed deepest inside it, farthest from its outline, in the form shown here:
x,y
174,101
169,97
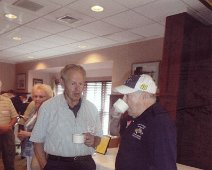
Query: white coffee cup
x,y
78,138
120,106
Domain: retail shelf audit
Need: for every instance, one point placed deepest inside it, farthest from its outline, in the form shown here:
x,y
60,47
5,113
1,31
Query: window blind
x,y
99,94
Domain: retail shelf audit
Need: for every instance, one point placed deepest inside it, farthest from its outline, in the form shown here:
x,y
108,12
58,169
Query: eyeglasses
x,y
38,96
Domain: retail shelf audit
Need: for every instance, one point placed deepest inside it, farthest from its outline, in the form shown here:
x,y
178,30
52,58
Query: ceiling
x,y
122,21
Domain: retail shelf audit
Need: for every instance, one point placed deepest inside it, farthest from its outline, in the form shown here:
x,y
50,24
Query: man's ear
x,y
62,82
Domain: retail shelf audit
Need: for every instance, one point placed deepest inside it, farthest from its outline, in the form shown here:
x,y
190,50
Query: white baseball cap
x,y
135,83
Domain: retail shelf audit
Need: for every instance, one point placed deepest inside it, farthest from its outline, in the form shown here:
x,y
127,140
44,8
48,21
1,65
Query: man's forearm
x,y
40,154
13,121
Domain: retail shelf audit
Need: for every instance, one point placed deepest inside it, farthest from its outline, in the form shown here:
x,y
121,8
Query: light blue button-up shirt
x,y
56,124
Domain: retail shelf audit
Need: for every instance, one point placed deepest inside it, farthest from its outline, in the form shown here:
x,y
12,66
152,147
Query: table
x,y
107,161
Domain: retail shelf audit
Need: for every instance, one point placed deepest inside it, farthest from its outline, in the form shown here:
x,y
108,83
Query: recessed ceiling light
x,y
17,38
97,8
82,46
10,16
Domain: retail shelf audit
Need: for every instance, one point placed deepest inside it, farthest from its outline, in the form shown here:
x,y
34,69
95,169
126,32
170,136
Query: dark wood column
x,y
185,87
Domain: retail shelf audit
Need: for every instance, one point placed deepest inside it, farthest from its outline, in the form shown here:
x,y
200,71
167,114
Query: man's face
x,y
74,85
133,100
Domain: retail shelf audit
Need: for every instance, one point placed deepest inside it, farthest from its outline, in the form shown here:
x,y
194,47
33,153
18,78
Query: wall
x,y
7,76
46,77
122,57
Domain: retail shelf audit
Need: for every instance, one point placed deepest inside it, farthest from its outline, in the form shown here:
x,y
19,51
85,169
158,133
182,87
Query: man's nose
x,y
78,86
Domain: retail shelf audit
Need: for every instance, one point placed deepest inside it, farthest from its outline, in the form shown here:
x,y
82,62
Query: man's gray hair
x,y
71,67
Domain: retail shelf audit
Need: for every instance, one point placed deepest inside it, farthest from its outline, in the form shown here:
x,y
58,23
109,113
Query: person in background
x,y
40,93
148,141
60,119
20,103
10,93
8,118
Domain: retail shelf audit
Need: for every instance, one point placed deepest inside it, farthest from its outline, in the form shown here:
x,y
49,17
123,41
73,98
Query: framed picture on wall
x,y
36,81
150,68
21,81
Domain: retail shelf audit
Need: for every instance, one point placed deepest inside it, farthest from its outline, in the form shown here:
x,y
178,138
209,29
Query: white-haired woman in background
x,y
40,93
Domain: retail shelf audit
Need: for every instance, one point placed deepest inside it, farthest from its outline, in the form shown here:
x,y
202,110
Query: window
x,y
99,94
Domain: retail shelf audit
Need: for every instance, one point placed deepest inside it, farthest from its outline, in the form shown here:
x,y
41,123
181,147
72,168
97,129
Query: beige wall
x,y
7,76
122,56
46,77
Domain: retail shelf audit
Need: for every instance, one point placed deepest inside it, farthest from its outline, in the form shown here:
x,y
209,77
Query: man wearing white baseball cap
x,y
148,142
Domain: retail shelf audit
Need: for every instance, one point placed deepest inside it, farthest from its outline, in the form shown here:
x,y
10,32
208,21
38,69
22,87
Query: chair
x,y
114,142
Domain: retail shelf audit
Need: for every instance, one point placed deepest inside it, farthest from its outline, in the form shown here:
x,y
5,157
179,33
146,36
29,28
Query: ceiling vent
x,y
32,6
68,19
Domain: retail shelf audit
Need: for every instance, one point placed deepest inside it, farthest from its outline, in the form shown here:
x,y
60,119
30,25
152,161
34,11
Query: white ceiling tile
x,y
8,2
7,38
81,18
77,34
25,33
6,26
194,4
7,53
8,43
17,59
58,40
110,7
124,36
64,48
3,46
74,47
19,49
12,52
100,28
158,10
62,2
47,26
150,30
37,45
134,3
100,41
47,7
46,53
201,16
23,16
124,20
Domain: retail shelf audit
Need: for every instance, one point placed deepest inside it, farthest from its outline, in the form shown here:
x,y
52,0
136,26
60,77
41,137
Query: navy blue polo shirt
x,y
148,142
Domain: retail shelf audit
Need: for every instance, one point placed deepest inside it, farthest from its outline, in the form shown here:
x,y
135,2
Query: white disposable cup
x,y
78,138
120,106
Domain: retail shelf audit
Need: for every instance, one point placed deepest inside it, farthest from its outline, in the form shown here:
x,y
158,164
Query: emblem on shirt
x,y
138,132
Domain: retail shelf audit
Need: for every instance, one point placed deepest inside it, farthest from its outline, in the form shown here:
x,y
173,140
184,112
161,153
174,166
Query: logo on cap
x,y
143,87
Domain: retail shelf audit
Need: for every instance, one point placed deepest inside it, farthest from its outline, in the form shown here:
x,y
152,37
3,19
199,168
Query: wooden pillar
x,y
185,87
